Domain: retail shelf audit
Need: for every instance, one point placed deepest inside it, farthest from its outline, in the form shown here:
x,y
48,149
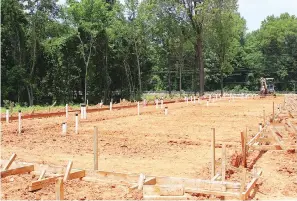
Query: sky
x,y
255,11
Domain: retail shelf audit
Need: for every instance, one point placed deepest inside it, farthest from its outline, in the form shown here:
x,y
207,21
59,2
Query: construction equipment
x,y
267,86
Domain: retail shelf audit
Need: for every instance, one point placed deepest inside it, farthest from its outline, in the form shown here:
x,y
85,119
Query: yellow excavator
x,y
267,86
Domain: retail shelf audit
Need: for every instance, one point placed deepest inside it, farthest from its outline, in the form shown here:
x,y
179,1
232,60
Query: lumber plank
x,y
163,190
213,192
252,141
11,159
158,197
275,136
36,185
77,174
265,139
20,170
215,178
197,183
148,181
251,185
292,126
265,147
119,176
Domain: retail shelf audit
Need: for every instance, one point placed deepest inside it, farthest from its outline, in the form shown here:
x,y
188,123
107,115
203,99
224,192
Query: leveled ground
x,y
152,143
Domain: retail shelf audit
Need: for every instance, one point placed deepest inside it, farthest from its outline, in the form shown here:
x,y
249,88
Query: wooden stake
x,y
95,148
9,162
141,180
7,116
59,189
66,109
20,122
76,123
223,162
273,111
243,146
68,170
243,180
41,175
213,157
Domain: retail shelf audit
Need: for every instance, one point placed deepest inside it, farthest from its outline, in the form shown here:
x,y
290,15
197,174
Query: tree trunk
x,y
180,79
138,67
169,76
201,65
30,94
128,78
222,84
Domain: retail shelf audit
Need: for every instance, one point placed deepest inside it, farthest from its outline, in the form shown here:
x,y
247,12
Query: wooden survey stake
x,y
59,189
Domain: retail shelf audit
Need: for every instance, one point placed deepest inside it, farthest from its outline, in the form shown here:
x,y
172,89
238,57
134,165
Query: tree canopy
x,y
103,49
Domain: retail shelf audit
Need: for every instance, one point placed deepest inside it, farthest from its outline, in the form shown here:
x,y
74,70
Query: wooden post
x,y
243,145
264,119
41,175
11,159
59,189
273,111
213,157
7,115
138,108
66,109
76,123
20,122
243,180
68,170
141,180
95,148
223,162
64,128
166,110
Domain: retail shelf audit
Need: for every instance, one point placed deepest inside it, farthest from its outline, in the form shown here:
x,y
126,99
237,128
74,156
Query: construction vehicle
x,y
267,86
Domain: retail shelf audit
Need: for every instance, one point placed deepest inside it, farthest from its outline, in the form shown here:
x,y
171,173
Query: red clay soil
x,y
154,144
95,108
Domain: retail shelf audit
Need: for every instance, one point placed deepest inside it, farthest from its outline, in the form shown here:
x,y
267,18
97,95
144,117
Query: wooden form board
x,y
197,183
159,197
164,190
213,187
275,141
19,170
37,167
36,185
9,162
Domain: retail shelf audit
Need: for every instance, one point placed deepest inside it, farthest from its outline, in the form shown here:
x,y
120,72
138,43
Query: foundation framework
x,y
153,187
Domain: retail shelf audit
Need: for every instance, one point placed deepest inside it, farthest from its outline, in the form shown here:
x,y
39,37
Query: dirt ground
x,y
154,144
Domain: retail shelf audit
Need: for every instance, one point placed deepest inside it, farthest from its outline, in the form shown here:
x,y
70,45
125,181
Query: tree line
x,y
103,49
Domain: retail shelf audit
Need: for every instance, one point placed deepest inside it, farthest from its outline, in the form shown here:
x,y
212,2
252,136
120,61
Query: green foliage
x,y
111,50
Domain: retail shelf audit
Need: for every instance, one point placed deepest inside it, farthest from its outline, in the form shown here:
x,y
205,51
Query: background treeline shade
x,y
105,49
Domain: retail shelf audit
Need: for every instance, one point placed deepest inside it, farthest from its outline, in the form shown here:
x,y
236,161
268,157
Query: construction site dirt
x,y
177,145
